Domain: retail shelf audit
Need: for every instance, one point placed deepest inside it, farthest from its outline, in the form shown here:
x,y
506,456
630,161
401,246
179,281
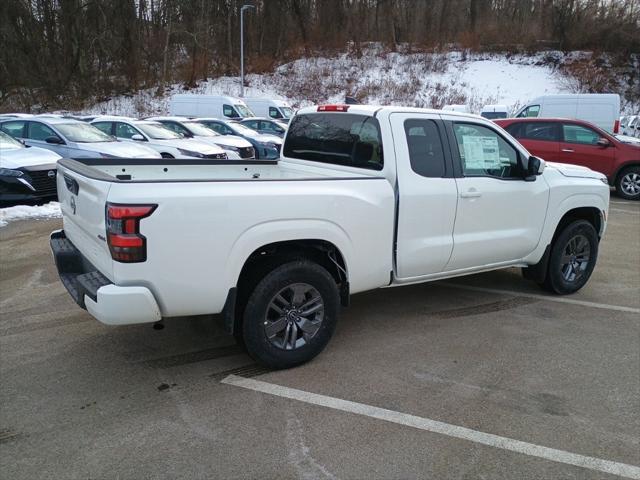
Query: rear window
x,y
336,138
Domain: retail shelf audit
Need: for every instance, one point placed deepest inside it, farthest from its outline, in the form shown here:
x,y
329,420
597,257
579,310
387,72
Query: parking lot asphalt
x,y
543,388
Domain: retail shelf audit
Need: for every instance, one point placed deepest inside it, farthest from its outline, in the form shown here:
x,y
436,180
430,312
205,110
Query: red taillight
x,y
333,108
616,126
126,244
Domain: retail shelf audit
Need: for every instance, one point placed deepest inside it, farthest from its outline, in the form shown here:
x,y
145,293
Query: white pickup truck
x,y
363,197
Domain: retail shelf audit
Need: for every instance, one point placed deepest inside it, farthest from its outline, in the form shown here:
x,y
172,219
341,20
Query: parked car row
x,y
34,143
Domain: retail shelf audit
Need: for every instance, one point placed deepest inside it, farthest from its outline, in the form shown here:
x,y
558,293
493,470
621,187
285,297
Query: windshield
x,y
7,142
157,132
83,133
242,130
199,129
244,110
287,112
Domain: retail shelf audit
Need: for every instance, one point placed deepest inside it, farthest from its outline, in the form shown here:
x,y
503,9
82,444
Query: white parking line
x,y
548,298
533,450
624,211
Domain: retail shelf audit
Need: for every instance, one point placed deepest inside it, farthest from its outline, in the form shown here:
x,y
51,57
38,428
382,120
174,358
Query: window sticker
x,y
481,152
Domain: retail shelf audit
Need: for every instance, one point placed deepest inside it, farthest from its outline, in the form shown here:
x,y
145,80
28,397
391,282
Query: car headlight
x,y
7,172
189,153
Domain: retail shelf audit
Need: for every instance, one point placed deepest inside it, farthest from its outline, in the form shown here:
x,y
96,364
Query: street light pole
x,y
242,9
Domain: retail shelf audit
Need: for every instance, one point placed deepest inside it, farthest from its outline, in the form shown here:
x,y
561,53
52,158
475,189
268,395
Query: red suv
x,y
580,143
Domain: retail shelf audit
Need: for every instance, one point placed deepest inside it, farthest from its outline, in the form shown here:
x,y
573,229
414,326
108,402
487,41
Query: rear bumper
x,y
108,303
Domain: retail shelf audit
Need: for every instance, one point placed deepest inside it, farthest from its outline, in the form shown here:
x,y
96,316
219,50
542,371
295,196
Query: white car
x,y
71,138
154,135
236,147
363,197
632,126
26,173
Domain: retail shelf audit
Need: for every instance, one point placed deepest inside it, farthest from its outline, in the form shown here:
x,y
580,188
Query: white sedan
x,y
154,135
236,147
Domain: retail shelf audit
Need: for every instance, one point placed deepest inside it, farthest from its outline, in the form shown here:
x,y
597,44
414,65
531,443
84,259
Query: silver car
x,y
72,138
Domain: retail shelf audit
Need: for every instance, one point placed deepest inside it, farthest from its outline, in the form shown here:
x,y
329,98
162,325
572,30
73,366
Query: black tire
x,y
167,155
628,183
565,278
259,308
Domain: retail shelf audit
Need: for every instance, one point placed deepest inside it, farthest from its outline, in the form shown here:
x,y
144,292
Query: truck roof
x,y
372,110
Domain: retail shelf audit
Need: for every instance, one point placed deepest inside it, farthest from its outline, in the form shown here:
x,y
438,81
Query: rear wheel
x,y
572,259
628,183
290,315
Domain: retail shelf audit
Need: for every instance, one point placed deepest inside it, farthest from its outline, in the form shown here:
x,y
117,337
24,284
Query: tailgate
x,y
83,201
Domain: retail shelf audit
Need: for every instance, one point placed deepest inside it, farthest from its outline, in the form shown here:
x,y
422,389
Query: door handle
x,y
567,150
472,193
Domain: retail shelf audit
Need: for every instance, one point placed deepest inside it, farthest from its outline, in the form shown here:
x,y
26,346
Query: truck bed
x,y
172,170
209,216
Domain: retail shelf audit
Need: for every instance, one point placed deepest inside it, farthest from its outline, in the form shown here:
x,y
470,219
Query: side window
x,y
39,131
425,148
103,127
530,111
514,129
579,134
124,130
268,126
485,153
274,112
176,127
252,124
14,128
229,111
542,131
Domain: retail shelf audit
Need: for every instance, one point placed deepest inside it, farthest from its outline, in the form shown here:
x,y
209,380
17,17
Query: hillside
x,y
403,78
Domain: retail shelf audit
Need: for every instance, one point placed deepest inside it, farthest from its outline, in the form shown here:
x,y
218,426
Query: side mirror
x,y
54,140
603,142
137,137
535,166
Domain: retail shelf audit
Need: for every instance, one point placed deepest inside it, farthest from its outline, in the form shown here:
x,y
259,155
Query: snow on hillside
x,y
382,78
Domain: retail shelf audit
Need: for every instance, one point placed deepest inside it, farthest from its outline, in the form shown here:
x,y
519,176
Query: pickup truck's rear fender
x,y
577,202
288,231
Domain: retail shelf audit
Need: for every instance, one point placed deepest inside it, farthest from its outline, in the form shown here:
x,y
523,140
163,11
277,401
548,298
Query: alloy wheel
x,y
575,258
294,316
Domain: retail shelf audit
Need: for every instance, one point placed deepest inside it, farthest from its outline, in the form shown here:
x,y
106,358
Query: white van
x,y
493,112
601,109
457,108
218,106
270,108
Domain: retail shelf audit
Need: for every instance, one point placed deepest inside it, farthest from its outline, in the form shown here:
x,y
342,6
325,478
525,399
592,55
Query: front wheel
x,y
291,314
572,259
628,183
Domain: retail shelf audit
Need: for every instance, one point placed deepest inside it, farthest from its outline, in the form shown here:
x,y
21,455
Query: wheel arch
x,y
621,168
593,215
267,246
